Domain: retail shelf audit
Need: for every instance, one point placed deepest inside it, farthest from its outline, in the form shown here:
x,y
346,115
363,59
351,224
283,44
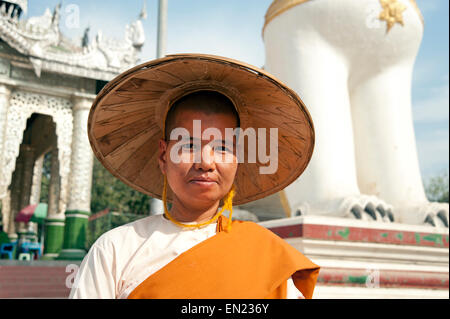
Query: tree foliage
x,y
436,188
45,181
110,192
107,191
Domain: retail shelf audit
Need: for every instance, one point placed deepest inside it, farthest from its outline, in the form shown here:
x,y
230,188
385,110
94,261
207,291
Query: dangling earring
x,y
228,204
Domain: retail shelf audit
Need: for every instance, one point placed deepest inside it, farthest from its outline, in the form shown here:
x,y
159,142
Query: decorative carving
x,y
279,6
23,4
4,105
392,12
82,159
22,105
85,39
52,79
40,39
4,67
6,207
54,187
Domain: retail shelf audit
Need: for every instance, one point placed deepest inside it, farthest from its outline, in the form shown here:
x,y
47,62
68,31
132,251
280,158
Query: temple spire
x,y
143,14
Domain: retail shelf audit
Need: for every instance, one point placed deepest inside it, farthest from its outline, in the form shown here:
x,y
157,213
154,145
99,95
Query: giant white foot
x,y
363,207
430,213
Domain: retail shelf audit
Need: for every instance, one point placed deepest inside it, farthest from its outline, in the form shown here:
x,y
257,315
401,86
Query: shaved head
x,y
207,102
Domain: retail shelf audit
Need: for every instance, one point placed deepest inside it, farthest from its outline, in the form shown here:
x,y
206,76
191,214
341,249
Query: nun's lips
x,y
203,181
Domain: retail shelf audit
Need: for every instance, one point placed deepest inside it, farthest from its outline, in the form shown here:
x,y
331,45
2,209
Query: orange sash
x,y
249,262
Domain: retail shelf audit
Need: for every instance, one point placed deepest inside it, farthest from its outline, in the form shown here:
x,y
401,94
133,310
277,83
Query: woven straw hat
x,y
127,118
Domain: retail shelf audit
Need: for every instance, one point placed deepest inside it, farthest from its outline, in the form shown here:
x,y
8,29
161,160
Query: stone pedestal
x,y
78,206
75,235
361,259
53,237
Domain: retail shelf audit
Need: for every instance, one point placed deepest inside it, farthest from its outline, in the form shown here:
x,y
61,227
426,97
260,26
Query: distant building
x,y
47,85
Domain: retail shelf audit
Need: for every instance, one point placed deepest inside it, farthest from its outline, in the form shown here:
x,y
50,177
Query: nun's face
x,y
200,168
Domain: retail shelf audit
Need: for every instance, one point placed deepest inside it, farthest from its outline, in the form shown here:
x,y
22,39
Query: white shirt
x,y
124,257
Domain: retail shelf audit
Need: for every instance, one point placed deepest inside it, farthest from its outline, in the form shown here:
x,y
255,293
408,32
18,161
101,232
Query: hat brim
x,y
127,117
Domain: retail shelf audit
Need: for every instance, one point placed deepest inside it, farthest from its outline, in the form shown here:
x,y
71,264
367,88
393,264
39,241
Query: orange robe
x,y
249,262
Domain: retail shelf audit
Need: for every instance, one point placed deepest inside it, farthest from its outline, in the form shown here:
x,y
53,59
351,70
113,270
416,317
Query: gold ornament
x,y
279,6
392,12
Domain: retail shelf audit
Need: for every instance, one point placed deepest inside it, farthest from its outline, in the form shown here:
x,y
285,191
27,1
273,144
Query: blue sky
x,y
232,28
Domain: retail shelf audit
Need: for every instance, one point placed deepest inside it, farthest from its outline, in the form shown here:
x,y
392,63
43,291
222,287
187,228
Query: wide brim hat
x,y
127,118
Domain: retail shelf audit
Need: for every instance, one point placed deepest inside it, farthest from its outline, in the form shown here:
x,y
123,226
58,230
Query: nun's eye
x,y
188,147
222,149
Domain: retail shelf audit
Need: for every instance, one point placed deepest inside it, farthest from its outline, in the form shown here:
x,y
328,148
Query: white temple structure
x,y
351,62
47,85
362,211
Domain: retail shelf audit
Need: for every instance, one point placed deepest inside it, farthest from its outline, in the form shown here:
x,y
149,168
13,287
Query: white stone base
x,y
338,292
370,260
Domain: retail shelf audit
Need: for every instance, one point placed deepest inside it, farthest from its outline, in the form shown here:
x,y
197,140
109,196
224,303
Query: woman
x,y
173,128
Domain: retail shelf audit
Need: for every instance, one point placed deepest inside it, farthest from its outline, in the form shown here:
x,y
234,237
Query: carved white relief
x,y
54,186
82,160
22,105
4,104
40,39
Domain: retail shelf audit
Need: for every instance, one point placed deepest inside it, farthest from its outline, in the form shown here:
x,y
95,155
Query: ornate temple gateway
x,y
47,85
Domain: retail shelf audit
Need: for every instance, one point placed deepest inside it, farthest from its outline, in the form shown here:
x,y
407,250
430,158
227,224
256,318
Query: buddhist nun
x,y
202,133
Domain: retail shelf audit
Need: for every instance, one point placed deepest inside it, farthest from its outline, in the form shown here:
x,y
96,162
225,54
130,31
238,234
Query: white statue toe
x,y
430,213
363,207
367,207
